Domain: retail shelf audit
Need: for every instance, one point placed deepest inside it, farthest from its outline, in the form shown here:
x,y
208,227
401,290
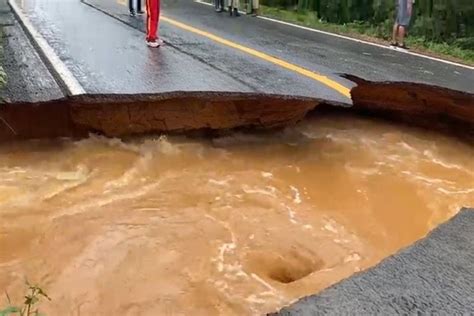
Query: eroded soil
x,y
242,224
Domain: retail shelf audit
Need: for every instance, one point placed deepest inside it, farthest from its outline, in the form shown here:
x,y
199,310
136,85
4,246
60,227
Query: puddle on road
x,y
241,224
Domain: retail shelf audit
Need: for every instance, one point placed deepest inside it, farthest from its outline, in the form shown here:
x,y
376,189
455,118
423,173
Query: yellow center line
x,y
300,70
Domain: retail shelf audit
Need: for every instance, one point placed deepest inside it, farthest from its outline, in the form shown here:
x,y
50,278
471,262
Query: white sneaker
x,y
153,44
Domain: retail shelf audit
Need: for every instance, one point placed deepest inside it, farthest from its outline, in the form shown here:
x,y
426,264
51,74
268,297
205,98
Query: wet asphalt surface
x,y
27,78
105,51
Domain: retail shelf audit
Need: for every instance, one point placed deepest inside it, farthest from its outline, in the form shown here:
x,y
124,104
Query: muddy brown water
x,y
237,225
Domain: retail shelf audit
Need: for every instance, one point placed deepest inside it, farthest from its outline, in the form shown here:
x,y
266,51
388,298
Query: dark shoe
x,y
132,13
394,44
403,46
141,12
236,12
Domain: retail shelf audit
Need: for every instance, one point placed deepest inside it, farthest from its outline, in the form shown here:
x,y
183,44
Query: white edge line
x,y
365,42
355,40
65,75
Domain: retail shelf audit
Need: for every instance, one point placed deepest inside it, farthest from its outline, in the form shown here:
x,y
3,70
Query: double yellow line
x,y
284,64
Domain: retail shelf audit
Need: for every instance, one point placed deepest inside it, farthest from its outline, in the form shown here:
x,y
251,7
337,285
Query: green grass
x,y
3,75
458,50
28,308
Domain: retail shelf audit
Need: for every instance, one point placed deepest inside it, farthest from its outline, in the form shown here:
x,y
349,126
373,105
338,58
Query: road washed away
x,y
238,224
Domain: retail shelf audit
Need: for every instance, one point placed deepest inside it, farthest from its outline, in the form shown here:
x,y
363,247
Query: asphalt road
x,y
28,80
434,276
204,51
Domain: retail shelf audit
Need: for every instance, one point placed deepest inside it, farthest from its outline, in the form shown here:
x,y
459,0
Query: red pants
x,y
152,19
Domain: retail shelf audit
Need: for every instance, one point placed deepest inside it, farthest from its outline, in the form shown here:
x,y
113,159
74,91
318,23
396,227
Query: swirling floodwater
x,y
242,224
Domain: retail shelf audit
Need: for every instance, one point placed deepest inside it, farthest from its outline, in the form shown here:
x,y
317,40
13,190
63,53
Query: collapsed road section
x,y
124,115
266,218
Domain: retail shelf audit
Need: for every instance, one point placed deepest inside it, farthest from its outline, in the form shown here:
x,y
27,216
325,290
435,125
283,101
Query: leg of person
x,y
255,7
395,35
152,19
403,20
230,6
401,36
130,8
219,4
139,7
236,5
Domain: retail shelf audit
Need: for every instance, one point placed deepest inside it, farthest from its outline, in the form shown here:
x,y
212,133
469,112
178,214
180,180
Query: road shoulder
x,y
434,275
27,77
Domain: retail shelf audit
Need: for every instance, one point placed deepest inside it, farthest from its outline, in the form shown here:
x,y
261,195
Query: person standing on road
x,y
219,5
132,10
152,20
255,7
233,7
402,21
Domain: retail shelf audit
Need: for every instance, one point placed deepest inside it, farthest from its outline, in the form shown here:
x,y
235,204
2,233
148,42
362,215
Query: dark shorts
x,y
402,18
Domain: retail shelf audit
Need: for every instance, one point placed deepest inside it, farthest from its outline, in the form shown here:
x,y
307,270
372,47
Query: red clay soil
x,y
180,112
123,115
416,104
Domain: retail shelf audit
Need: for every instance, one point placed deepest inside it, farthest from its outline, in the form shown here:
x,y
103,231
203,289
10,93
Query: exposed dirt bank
x,y
122,115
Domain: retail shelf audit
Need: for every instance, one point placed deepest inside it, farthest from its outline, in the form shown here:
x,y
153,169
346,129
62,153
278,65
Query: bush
x,y
434,20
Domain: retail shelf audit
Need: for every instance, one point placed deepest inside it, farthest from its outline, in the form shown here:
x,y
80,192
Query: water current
x,y
241,224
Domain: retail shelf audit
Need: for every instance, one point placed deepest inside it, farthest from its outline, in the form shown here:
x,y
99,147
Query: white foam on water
x,y
291,215
297,195
269,190
426,180
330,227
429,154
352,257
224,182
366,171
106,200
445,191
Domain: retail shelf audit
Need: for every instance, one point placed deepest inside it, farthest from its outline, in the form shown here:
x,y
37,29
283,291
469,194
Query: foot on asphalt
x,y
236,12
132,13
403,46
154,44
220,10
141,12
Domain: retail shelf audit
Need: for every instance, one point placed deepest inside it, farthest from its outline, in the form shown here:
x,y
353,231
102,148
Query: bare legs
x,y
401,35
395,34
398,34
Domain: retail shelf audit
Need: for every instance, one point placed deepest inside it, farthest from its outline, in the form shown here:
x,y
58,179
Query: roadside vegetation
x,y
439,27
3,76
33,296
